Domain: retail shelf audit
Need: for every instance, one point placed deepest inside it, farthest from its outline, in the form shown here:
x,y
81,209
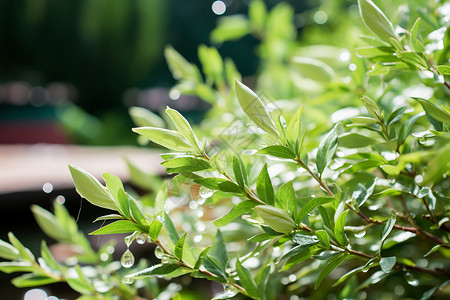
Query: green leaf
x,y
386,230
323,238
25,253
16,266
185,164
333,263
210,182
135,211
113,184
143,117
444,70
91,189
276,218
285,198
264,187
110,217
48,257
278,151
239,171
260,237
437,167
387,263
32,280
434,111
339,229
369,52
376,21
170,228
180,67
301,239
255,109
80,284
167,138
230,28
160,198
313,69
124,203
416,59
156,270
257,14
326,150
246,280
121,226
396,115
8,251
229,187
372,108
179,247
363,190
415,42
406,128
242,208
355,140
183,127
217,258
212,63
48,223
155,229
311,205
200,258
213,265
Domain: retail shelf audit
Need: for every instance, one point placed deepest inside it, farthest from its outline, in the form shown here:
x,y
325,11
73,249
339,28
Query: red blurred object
x,y
30,132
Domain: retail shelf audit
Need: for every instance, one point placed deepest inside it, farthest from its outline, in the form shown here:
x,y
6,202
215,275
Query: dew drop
x,y
411,279
141,239
127,259
360,234
159,253
128,279
205,192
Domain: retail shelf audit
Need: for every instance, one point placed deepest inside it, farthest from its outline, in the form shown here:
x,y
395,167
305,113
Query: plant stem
x,y
206,272
316,178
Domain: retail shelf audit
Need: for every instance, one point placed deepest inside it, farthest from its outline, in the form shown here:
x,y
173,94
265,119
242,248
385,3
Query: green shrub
x,y
355,205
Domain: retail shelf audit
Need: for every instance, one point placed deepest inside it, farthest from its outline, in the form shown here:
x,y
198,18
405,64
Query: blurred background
x,y
69,71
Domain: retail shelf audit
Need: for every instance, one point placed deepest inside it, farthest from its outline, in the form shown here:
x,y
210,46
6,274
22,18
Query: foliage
x,y
349,200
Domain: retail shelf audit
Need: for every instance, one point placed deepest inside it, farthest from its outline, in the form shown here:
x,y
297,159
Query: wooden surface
x,y
30,167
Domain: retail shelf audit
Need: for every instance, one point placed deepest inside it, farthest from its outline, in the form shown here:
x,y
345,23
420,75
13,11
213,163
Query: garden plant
x,y
330,181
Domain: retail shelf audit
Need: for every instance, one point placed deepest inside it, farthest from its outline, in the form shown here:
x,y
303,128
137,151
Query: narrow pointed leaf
x,y
179,247
167,138
323,238
255,109
333,263
91,189
264,187
386,230
276,218
339,229
326,150
48,223
242,208
183,127
121,226
311,205
278,151
246,280
376,21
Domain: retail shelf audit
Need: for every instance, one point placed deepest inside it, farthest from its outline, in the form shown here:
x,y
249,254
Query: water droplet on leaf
x,y
411,279
360,234
127,259
159,253
141,239
205,192
128,279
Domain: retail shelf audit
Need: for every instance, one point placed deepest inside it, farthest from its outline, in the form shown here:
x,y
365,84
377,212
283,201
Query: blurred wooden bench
x,y
30,167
